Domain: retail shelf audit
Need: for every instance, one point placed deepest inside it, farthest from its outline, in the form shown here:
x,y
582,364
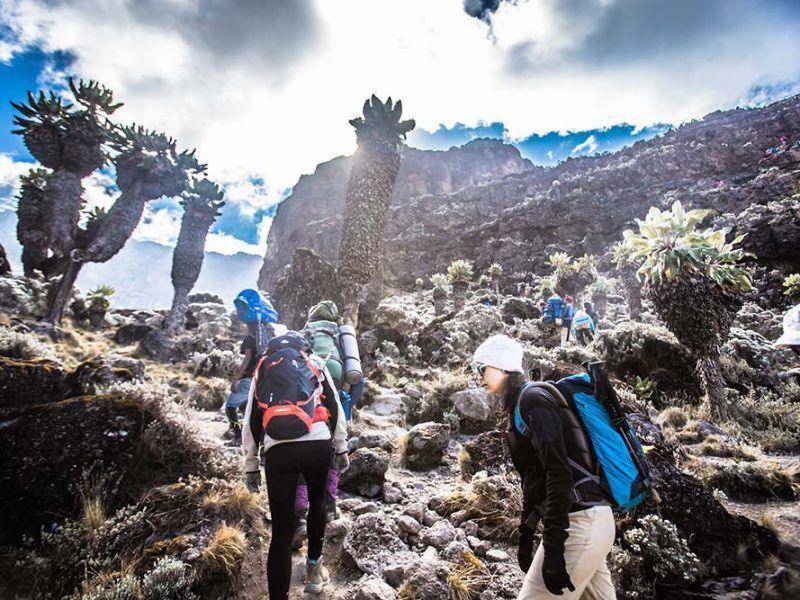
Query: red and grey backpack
x,y
288,388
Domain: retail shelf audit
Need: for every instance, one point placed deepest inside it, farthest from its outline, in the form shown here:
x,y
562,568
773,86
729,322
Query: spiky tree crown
x,y
460,272
439,280
44,109
559,260
203,195
669,246
495,270
94,96
791,285
101,296
622,254
153,157
381,123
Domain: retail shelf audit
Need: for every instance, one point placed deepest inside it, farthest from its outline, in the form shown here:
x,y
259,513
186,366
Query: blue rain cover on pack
x,y
618,466
252,307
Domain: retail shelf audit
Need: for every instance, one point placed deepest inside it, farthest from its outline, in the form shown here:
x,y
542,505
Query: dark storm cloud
x,y
627,31
481,9
273,32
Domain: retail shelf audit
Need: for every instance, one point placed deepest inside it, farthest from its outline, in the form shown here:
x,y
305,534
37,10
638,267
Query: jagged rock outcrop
x,y
312,216
727,161
5,266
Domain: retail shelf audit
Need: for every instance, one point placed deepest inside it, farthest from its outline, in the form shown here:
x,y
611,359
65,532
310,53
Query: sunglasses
x,y
480,369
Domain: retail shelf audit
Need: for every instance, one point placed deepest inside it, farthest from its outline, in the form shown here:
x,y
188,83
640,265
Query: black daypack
x,y
288,388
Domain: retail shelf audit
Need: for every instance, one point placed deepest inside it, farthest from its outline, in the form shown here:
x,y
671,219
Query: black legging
x,y
283,463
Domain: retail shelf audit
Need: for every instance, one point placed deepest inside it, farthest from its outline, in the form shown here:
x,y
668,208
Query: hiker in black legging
x,y
285,460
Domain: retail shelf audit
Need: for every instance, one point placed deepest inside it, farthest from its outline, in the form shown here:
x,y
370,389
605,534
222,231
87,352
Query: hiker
x,y
258,314
583,328
577,536
791,331
294,414
566,319
322,332
589,308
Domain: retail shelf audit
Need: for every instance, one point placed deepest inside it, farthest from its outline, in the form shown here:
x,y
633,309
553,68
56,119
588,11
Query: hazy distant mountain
x,y
140,272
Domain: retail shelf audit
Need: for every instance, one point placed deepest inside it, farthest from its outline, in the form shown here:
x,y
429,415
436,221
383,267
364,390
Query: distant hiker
x,y
553,311
791,331
567,316
322,332
561,479
583,328
294,413
256,311
589,308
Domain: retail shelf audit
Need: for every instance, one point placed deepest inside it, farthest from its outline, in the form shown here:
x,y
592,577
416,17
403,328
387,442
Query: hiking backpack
x,y
253,307
603,426
288,388
553,310
322,332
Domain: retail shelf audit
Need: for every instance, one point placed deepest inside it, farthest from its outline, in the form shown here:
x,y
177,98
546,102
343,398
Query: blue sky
x,y
264,90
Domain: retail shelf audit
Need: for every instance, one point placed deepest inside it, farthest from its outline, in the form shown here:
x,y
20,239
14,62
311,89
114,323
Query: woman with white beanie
x,y
578,531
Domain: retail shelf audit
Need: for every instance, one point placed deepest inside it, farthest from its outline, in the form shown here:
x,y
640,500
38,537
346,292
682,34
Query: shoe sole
x,y
315,588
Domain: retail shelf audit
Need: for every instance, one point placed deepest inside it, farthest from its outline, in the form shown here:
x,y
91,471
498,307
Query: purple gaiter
x,y
333,483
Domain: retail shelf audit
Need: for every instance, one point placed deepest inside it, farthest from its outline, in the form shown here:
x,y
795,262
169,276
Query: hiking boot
x,y
236,440
316,576
300,534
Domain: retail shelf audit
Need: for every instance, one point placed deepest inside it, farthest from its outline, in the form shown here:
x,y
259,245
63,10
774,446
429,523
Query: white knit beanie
x,y
501,352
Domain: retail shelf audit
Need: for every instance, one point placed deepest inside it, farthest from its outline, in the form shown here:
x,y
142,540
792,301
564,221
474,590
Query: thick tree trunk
x,y
63,293
63,196
439,305
187,262
117,226
369,194
714,385
459,296
176,319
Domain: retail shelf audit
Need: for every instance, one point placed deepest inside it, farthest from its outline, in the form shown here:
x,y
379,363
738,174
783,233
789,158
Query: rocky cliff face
x,y
484,203
311,216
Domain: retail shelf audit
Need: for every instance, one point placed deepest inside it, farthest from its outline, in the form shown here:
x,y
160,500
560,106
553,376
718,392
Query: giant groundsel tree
x,y
379,134
201,201
695,280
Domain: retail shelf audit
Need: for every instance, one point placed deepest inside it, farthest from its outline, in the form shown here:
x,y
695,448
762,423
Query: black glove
x,y
554,573
525,548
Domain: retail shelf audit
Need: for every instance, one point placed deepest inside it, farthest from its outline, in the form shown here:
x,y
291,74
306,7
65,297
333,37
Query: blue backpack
x,y
622,469
554,310
253,307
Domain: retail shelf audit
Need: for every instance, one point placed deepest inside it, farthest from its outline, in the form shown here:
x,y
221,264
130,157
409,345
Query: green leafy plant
x,y
670,245
644,387
101,296
791,285
460,272
484,280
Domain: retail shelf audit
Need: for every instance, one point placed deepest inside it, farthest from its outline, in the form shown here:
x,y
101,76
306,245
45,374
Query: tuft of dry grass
x,y
715,446
406,592
225,551
673,417
236,503
400,445
468,577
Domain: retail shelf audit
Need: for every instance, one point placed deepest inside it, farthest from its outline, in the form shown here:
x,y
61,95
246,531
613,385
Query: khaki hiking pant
x,y
591,536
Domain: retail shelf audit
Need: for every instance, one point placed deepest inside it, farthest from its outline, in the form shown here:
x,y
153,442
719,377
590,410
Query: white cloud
x,y
587,146
10,172
266,96
160,226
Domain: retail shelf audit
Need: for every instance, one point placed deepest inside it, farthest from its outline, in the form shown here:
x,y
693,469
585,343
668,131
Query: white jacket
x,y
253,432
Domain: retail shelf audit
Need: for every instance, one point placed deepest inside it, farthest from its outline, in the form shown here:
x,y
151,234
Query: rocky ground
x,y
112,452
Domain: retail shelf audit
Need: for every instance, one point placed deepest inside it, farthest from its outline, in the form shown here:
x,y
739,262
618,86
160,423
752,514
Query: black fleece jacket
x,y
541,461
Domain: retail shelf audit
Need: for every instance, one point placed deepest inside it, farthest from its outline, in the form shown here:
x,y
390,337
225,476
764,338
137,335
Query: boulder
x,y
373,588
46,452
367,472
515,307
308,280
440,534
25,383
486,452
474,409
205,298
427,578
427,443
374,545
632,349
5,266
158,346
399,313
97,372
